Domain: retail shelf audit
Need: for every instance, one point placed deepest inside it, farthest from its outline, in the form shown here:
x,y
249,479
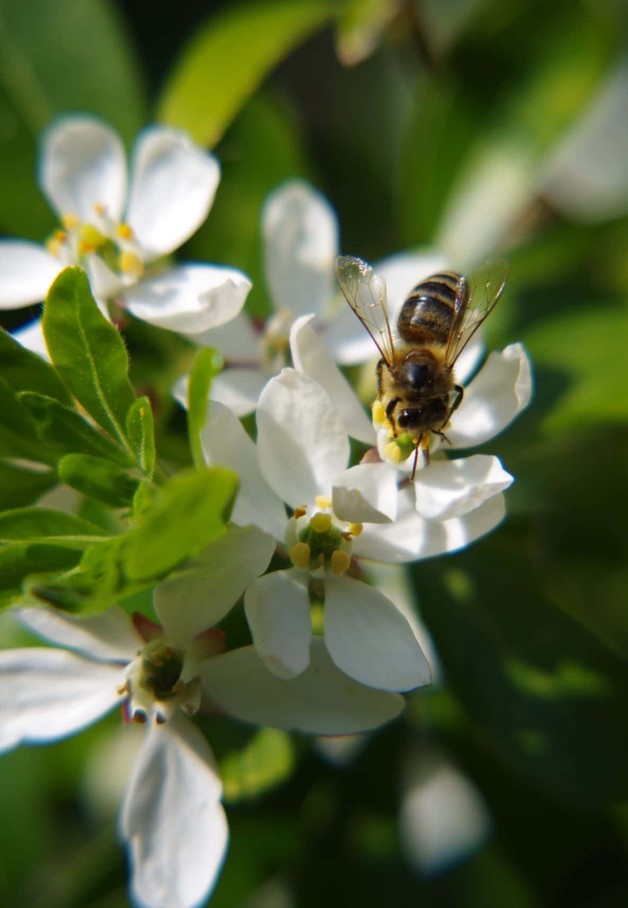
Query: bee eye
x,y
417,375
408,417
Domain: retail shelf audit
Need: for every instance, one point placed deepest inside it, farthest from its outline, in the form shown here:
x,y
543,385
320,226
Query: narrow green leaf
x,y
88,352
187,514
99,479
20,486
67,431
18,432
141,431
207,365
39,524
18,560
24,370
228,58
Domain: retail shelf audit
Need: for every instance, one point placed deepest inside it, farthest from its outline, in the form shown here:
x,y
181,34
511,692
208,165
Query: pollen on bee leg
x,y
392,452
320,523
300,555
340,562
378,412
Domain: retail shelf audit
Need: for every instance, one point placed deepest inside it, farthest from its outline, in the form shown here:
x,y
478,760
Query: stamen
x,y
320,523
70,220
131,263
340,562
300,555
91,238
125,231
322,501
300,511
355,529
100,210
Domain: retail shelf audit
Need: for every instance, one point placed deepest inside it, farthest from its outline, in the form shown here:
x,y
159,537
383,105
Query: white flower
x,y
172,818
300,233
338,515
115,231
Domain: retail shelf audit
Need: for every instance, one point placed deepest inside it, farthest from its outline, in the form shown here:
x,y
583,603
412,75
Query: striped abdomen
x,y
427,314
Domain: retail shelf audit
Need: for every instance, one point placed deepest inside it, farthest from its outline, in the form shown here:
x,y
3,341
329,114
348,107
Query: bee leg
x,y
416,459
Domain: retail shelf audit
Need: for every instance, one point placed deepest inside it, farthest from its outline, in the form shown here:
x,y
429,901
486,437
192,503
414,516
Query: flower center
x,y
112,241
321,541
155,686
275,342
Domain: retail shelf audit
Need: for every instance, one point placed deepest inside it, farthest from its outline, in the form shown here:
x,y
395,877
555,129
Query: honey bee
x,y
415,375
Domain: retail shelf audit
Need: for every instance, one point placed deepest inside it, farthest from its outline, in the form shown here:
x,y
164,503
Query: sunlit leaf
x,y
98,478
207,365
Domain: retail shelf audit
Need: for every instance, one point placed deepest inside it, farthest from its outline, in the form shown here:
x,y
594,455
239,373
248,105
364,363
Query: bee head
x,y
429,415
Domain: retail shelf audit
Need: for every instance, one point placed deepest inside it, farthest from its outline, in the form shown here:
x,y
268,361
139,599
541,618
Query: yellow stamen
x,y
392,452
100,210
320,523
131,263
300,511
125,231
355,529
92,236
70,220
300,555
340,562
322,501
379,412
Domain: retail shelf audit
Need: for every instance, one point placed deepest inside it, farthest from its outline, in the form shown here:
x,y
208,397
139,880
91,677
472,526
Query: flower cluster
x,y
330,653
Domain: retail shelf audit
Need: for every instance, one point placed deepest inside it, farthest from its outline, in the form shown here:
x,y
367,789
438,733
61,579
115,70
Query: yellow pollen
x,y
392,452
300,511
70,220
320,523
322,501
99,209
91,236
53,246
340,562
355,529
425,440
131,263
378,411
300,555
125,231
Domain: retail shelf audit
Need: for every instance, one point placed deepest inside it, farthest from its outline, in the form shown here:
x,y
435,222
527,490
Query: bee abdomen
x,y
427,313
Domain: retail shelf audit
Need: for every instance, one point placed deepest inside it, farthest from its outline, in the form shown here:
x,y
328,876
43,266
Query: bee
x,y
415,375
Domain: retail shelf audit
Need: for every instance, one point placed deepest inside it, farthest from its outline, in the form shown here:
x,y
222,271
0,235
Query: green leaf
x,y
88,352
39,524
57,56
266,761
66,431
207,366
99,479
228,58
141,431
20,486
18,432
24,370
187,513
18,560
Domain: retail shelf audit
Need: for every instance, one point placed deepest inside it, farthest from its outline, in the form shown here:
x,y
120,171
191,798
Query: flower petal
x,y
310,355
31,336
238,389
199,597
301,441
190,298
300,246
225,442
172,818
411,537
83,165
173,184
109,636
366,493
369,639
278,612
498,393
47,694
27,271
450,488
237,340
322,700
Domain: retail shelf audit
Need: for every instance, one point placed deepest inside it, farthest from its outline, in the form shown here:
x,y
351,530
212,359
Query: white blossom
x,y
120,227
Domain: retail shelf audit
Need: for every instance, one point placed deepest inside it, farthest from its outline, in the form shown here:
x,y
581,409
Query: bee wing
x,y
365,291
477,296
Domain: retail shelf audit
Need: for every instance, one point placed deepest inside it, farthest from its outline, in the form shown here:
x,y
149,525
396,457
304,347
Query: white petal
x,y
237,340
469,359
173,184
190,298
310,355
301,440
31,336
238,389
369,639
109,636
411,537
83,165
366,493
26,272
172,818
499,392
47,694
322,699
104,282
200,597
225,443
278,612
300,246
347,338
450,488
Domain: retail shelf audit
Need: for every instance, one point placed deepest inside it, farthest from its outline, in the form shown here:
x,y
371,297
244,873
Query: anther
x,y
322,501
340,562
320,523
300,555
131,263
125,231
300,511
70,220
355,529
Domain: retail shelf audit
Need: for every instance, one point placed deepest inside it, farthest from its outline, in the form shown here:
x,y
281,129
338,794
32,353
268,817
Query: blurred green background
x,y
475,126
